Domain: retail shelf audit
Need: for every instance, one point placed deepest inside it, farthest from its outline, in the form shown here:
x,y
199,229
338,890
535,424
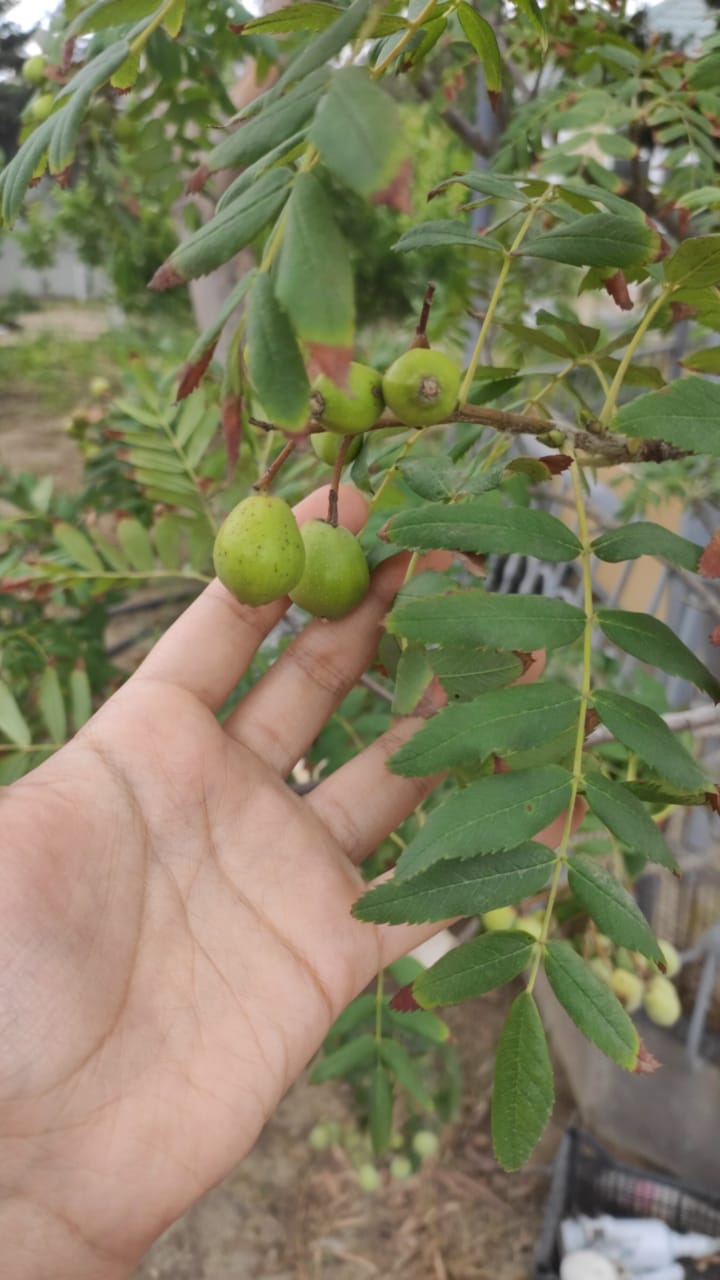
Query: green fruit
x,y
124,129
501,918
425,1143
601,968
259,554
400,1168
336,574
349,411
33,69
368,1178
320,1137
41,107
327,446
99,387
673,963
530,924
662,1002
628,988
422,387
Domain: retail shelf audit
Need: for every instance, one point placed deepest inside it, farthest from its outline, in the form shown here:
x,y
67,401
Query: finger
x,y
535,669
209,647
285,711
362,802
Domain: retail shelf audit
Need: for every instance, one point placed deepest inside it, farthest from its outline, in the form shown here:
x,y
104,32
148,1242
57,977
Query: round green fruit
x,y
628,988
425,1143
259,553
41,107
336,575
320,1137
33,69
662,1002
99,387
530,924
501,918
368,1178
400,1168
327,446
422,387
124,128
601,968
352,410
671,956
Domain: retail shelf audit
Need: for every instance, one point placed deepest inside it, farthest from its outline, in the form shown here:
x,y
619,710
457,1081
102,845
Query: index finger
x,y
209,647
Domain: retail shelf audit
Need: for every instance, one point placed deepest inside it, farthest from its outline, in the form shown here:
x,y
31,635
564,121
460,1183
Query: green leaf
x,y
431,478
476,967
358,132
25,164
173,20
79,91
109,13
628,819
125,76
484,42
465,673
77,547
210,335
523,1094
311,15
12,721
444,231
695,263
167,535
52,704
272,125
533,11
421,1023
380,1104
135,542
314,279
596,240
657,791
316,53
227,232
80,697
705,361
466,887
275,363
651,641
475,616
498,812
685,413
612,908
412,678
644,538
484,527
349,1057
644,732
406,1072
491,184
361,1009
505,720
591,1004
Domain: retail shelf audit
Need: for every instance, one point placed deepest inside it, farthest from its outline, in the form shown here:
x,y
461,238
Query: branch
x,y
455,120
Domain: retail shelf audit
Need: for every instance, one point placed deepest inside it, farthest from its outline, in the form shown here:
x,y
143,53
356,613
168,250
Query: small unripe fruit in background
x,y
368,1178
41,107
601,968
320,1137
662,1002
33,69
351,409
327,445
671,956
336,575
259,554
124,128
400,1168
628,988
530,924
422,387
501,918
99,387
425,1143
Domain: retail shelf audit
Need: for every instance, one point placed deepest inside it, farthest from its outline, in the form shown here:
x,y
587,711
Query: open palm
x,y
175,929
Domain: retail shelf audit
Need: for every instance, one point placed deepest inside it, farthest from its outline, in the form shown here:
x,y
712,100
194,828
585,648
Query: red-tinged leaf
x,y
197,179
592,720
712,800
616,286
232,430
334,362
556,463
404,1001
192,373
166,277
709,563
494,98
681,311
397,194
62,179
646,1063
663,248
715,636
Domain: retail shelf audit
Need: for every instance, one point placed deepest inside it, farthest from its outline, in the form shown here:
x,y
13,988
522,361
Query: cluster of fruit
x,y
423,1145
637,983
261,553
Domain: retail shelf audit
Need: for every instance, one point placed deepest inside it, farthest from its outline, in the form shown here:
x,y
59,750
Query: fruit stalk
x,y
335,485
269,475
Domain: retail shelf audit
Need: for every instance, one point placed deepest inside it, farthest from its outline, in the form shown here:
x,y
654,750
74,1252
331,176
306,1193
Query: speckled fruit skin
x,y
336,574
351,411
259,553
327,446
422,387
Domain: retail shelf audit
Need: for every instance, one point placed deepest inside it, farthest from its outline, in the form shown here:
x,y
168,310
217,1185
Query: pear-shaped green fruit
x,y
422,387
259,553
628,988
662,1002
33,69
327,446
671,956
349,410
500,918
336,574
41,107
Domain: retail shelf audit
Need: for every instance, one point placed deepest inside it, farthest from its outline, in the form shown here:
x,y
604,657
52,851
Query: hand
x,y
175,928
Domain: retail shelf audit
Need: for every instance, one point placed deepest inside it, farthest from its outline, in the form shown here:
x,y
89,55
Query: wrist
x,y
36,1244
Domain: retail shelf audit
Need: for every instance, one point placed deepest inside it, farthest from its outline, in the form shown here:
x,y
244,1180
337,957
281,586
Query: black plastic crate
x,y
587,1179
